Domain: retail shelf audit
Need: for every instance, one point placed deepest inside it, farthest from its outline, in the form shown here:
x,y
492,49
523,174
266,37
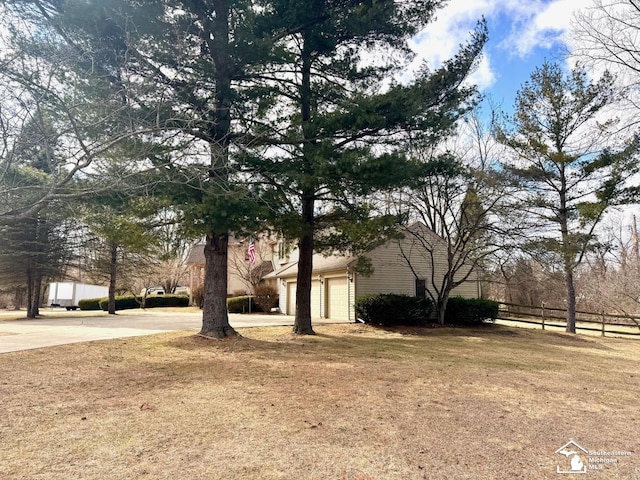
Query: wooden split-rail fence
x,y
547,317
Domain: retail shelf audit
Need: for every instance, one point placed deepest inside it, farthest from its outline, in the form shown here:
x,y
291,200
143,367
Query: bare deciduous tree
x,y
606,36
462,202
239,265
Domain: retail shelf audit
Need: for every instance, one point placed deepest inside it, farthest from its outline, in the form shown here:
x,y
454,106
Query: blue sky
x,y
522,34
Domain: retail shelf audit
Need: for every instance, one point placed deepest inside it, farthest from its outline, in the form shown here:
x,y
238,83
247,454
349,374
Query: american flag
x,y
252,252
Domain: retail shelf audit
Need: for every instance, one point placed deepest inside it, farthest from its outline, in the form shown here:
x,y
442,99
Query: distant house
x,y
336,284
239,268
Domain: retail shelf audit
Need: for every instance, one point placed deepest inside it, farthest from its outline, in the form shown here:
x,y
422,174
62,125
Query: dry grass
x,y
351,403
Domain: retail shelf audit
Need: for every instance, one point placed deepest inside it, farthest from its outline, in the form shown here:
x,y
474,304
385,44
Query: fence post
x,y
603,323
543,315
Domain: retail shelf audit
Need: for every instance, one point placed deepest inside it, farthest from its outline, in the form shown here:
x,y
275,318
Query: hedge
x,y
90,303
469,311
241,305
166,301
123,302
390,309
128,302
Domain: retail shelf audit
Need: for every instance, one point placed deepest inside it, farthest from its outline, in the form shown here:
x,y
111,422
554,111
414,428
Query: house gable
x,y
399,262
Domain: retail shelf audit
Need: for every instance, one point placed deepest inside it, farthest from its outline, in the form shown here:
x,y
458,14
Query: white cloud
x,y
543,27
442,38
525,26
483,77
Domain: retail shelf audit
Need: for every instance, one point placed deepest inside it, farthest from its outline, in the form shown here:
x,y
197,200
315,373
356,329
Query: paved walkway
x,y
75,327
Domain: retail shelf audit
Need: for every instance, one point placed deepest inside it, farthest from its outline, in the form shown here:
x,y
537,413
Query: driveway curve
x,y
75,327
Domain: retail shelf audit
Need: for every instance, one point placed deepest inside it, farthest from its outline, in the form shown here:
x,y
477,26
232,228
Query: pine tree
x,y
570,164
338,124
35,246
172,74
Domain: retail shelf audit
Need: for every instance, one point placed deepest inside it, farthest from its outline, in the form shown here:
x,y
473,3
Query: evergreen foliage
x,y
570,162
338,129
90,303
469,311
154,301
388,310
252,109
122,302
128,302
35,242
121,237
243,304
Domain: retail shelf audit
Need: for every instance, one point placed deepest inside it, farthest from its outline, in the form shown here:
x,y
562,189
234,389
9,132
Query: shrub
x,y
469,311
241,305
166,301
265,297
390,309
123,302
198,296
90,303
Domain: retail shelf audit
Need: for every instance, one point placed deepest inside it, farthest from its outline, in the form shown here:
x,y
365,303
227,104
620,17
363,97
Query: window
x,y
421,287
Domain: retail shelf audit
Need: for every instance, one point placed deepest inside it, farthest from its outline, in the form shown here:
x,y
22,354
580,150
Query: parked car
x,y
152,291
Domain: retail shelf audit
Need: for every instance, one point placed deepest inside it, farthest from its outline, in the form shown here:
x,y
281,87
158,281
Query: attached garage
x,y
332,293
337,298
291,298
316,299
336,282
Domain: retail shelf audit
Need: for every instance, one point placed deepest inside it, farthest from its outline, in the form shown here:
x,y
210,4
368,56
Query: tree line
x,y
240,116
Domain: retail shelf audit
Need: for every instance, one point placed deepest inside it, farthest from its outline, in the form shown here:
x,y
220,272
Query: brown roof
x,y
262,270
196,255
320,264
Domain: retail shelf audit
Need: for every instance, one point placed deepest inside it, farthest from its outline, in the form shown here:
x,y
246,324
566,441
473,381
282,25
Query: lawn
x,y
351,403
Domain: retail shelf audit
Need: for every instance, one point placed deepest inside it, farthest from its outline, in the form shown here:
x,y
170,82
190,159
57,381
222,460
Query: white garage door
x,y
337,299
291,298
316,299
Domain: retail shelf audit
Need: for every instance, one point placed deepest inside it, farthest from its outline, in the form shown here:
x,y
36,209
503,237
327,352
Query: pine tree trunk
x,y
37,296
302,325
215,319
571,302
35,285
113,274
18,298
567,254
29,293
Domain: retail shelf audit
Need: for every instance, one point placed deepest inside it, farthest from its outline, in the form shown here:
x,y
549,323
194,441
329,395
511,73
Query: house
x,y
241,274
399,266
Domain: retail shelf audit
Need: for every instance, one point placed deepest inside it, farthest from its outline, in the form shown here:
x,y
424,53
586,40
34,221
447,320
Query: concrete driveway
x,y
75,327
